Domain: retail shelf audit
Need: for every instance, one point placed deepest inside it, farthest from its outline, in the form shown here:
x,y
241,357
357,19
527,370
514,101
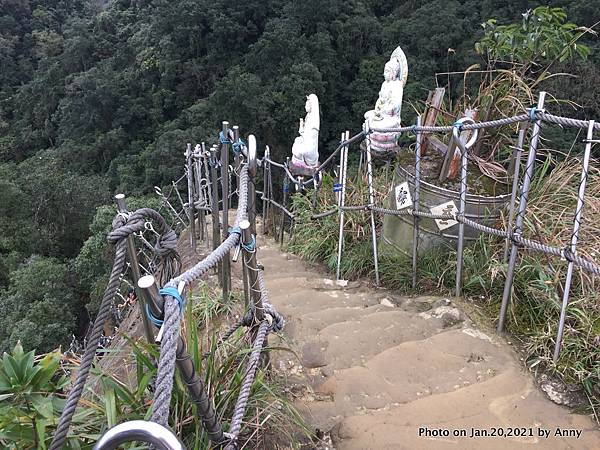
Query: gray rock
x,y
559,392
313,356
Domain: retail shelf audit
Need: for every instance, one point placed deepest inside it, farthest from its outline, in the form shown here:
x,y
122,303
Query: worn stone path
x,y
377,371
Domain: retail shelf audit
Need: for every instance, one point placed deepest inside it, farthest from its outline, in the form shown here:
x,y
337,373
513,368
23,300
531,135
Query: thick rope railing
x,y
122,227
531,115
166,368
250,375
172,349
562,253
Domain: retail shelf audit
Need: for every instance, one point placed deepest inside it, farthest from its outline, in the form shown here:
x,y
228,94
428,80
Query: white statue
x,y
389,104
305,150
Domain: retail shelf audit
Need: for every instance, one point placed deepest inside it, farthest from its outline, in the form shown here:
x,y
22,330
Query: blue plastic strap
x,y
223,139
238,146
532,114
458,125
173,292
236,230
337,187
250,246
413,129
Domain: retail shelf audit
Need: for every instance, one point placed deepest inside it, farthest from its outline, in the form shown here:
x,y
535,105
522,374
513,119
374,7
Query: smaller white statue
x,y
305,150
389,104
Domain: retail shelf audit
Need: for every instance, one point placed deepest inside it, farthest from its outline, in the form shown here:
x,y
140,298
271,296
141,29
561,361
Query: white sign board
x,y
403,198
448,208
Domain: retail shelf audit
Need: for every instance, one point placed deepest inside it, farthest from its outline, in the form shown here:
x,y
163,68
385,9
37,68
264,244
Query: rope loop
x,y
567,255
173,292
277,321
514,236
533,112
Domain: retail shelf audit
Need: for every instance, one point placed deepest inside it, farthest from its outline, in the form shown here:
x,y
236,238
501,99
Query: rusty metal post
x,y
225,143
190,186
142,296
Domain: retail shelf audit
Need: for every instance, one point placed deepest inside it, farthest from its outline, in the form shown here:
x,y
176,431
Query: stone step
x,y
351,343
310,324
440,363
301,302
506,400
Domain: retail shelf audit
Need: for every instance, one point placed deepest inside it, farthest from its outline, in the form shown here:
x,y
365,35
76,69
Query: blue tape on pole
x,y
223,139
173,292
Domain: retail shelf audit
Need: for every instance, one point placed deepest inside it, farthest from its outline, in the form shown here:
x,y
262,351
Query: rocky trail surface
x,y
372,370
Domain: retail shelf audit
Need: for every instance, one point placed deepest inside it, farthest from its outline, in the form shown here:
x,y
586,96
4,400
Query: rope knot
x,y
566,254
166,244
515,235
277,321
533,112
123,226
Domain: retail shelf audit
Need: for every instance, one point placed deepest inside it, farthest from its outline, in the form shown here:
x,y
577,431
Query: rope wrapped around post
x,y
122,227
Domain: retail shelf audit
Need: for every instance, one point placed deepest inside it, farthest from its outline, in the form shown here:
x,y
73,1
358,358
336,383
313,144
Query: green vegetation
x,y
29,406
538,285
98,97
31,388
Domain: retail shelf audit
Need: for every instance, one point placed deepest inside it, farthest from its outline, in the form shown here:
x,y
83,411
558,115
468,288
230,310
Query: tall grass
x,y
538,284
222,370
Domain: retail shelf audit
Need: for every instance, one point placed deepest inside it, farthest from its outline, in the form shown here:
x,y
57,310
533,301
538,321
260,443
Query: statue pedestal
x,y
298,167
383,143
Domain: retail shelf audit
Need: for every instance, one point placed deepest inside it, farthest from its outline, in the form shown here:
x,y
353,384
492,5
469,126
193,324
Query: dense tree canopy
x,y
98,96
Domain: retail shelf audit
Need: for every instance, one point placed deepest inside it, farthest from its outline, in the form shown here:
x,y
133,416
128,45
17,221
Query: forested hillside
x,y
98,97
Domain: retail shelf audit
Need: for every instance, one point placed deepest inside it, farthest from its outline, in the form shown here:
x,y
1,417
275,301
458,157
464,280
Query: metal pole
x,y
286,189
265,202
252,170
209,197
237,158
372,201
174,214
197,161
216,231
528,175
249,258
574,238
179,197
343,168
270,197
190,186
462,204
143,298
417,192
226,275
518,152
196,387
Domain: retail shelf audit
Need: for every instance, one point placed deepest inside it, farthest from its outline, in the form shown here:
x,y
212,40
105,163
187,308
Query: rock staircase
x,y
377,371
